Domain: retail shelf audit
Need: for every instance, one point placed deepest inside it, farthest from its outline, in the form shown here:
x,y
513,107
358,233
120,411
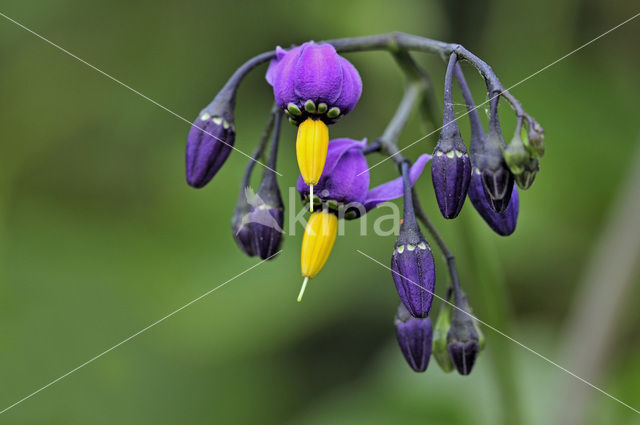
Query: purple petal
x,y
318,74
337,148
280,53
283,78
393,189
351,87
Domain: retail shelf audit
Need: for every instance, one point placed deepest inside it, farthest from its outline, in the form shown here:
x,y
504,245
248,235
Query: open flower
x,y
344,184
315,87
344,193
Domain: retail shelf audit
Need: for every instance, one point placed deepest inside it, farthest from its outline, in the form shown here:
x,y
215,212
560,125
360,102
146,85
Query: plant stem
x,y
397,42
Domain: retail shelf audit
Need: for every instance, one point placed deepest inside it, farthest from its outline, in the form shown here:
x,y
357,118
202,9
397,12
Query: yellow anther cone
x,y
311,149
317,242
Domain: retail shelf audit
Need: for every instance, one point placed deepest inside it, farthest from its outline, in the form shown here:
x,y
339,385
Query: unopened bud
x,y
415,338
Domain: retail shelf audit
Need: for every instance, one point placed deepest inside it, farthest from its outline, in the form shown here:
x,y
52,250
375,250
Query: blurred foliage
x,y
100,235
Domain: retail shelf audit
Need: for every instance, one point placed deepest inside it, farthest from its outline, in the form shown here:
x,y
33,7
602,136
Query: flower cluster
x,y
314,87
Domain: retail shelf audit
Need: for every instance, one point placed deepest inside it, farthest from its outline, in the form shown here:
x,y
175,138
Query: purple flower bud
x,y
503,223
451,171
312,80
266,222
210,140
497,180
451,167
240,221
462,339
463,355
412,264
414,337
266,218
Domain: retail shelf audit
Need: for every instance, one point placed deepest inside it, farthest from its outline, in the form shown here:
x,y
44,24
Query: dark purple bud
x,y
267,209
414,337
497,180
463,355
450,166
503,223
240,222
211,139
412,264
463,341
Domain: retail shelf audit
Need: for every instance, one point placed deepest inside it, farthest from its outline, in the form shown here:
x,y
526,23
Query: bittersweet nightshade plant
x,y
315,86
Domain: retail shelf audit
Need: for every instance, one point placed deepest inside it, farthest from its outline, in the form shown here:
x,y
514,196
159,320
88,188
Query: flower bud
x,y
497,180
240,221
462,339
440,331
450,166
515,155
267,211
534,142
450,171
522,164
414,337
527,176
412,264
267,219
503,223
210,139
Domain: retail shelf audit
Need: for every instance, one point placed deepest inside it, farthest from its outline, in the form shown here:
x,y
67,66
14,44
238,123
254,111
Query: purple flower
x,y
209,143
414,337
503,223
313,80
344,183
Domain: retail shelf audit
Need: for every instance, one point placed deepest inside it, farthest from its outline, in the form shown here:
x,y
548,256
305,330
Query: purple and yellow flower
x,y
343,191
315,87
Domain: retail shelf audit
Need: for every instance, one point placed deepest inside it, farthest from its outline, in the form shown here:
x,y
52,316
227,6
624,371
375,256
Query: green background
x,y
100,236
